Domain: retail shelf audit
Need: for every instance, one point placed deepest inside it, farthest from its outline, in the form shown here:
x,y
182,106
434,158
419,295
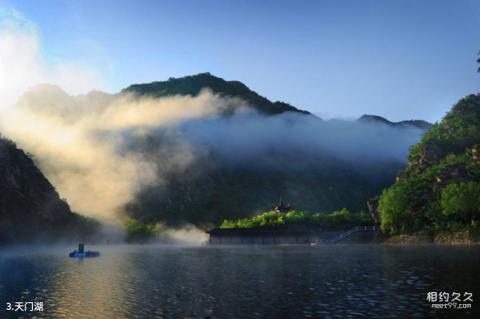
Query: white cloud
x,y
23,66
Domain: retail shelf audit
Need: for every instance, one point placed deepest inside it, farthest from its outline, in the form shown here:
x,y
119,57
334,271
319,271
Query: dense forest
x,y
439,190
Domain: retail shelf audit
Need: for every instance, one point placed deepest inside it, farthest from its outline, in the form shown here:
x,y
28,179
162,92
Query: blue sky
x,y
400,59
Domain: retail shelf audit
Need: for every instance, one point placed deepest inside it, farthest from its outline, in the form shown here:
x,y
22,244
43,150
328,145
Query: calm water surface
x,y
240,282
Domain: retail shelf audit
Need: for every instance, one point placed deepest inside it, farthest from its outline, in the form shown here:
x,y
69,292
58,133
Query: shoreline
x,y
458,238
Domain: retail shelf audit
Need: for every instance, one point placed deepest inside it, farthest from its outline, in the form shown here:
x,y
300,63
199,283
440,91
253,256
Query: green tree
x,y
341,219
395,214
461,201
228,224
140,232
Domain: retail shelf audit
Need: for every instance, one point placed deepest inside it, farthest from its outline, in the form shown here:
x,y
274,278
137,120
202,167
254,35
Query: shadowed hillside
x,y
192,85
248,180
168,152
30,208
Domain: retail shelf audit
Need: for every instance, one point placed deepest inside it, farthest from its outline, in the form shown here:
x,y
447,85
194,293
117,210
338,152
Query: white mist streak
x,y
80,149
78,142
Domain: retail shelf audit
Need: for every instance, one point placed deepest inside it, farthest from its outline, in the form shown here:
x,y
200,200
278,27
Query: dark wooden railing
x,y
348,233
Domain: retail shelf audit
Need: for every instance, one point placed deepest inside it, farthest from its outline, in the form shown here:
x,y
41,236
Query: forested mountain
x,y
192,85
200,164
348,165
440,188
210,189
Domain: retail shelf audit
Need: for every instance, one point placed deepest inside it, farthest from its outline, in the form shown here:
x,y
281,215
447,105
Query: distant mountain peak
x,y
193,84
420,124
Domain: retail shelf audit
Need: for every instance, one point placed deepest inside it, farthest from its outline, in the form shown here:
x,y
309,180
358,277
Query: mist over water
x,y
248,282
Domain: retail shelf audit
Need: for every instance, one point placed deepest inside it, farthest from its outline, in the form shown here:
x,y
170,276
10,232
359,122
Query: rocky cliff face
x,y
30,208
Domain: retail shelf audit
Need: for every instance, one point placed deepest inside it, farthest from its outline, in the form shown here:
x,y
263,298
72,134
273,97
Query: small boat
x,y
81,253
76,254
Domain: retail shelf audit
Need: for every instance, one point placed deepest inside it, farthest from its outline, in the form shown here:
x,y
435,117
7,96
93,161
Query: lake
x,y
239,282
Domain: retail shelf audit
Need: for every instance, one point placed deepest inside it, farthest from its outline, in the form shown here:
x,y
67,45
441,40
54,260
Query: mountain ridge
x,y
421,124
292,154
181,86
193,84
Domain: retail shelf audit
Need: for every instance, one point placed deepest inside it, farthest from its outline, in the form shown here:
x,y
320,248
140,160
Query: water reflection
x,y
231,282
86,287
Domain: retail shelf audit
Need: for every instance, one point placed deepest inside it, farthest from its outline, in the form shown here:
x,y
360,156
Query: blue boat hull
x,y
88,254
